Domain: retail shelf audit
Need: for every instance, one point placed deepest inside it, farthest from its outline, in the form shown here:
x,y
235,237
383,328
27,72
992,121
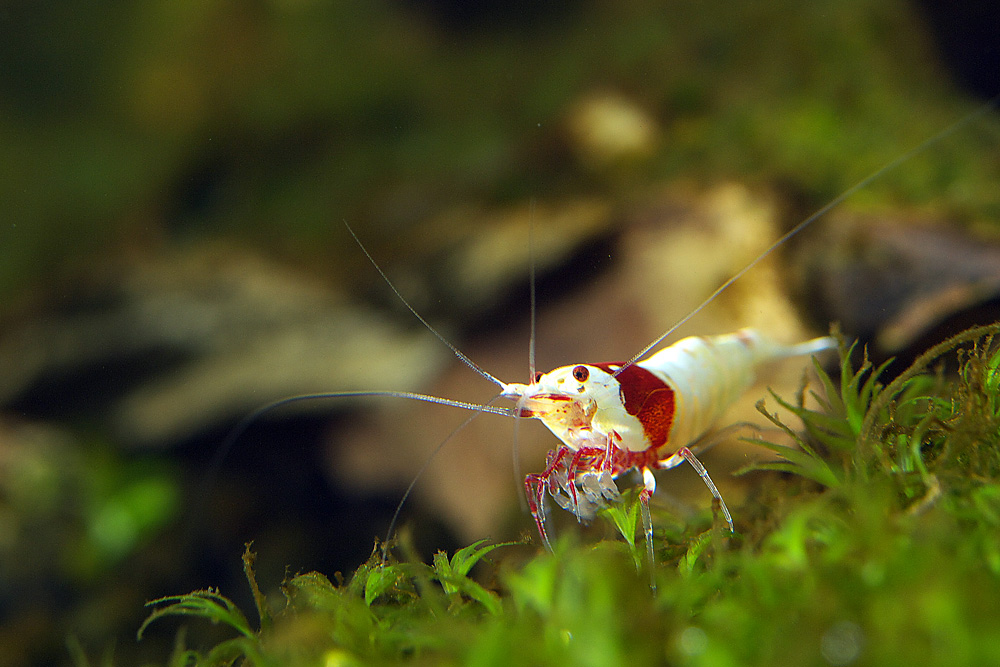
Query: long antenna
x,y
487,407
533,305
922,146
244,424
531,289
224,448
458,353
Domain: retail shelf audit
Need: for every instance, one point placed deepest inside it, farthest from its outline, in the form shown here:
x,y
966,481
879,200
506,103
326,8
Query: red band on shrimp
x,y
648,398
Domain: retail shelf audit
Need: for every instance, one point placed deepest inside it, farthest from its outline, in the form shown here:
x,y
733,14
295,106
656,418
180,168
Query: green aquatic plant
x,y
914,431
386,606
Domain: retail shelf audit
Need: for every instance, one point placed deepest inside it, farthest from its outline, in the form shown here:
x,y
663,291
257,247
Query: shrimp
x,y
613,417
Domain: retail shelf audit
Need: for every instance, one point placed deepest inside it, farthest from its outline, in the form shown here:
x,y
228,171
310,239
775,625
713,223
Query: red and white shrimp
x,y
648,415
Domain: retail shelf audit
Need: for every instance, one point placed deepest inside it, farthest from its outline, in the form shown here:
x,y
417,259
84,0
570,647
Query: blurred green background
x,y
129,126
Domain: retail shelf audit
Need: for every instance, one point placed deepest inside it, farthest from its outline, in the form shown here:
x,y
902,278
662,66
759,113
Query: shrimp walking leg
x,y
580,481
535,486
648,488
686,454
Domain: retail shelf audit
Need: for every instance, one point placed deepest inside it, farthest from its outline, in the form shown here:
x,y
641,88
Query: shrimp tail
x,y
808,347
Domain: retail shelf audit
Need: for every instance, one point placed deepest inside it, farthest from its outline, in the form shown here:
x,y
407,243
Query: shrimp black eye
x,y
580,373
537,378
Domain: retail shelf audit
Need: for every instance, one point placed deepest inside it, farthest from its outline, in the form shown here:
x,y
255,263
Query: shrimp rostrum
x,y
650,414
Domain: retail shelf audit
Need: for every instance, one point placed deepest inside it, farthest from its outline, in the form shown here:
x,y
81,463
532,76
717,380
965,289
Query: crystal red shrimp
x,y
648,415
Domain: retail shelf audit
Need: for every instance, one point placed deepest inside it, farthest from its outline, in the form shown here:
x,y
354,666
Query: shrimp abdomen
x,y
709,373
